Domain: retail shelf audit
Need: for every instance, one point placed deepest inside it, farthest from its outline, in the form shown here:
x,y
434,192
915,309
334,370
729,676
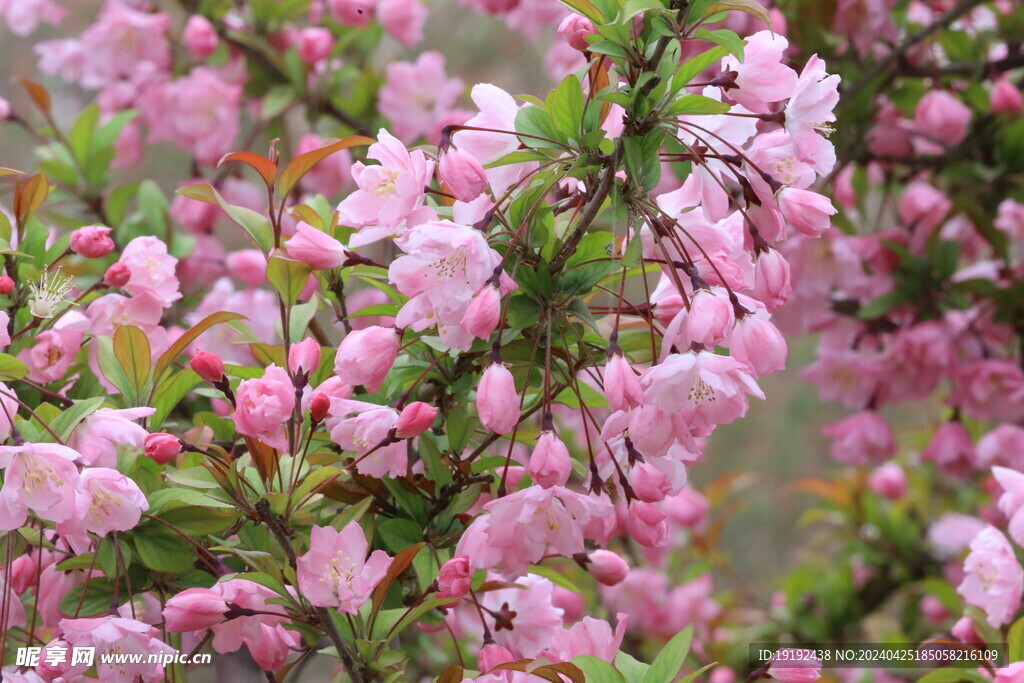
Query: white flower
x,y
48,294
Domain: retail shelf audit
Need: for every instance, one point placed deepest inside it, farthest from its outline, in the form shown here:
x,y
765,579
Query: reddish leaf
x,y
190,336
264,457
29,196
38,93
264,166
453,674
398,565
300,165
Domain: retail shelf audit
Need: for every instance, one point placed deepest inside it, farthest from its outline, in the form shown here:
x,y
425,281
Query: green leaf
x,y
535,121
693,105
692,67
11,368
587,9
632,669
288,278
554,577
182,342
565,105
597,670
200,521
876,308
66,422
1015,641
131,348
398,534
98,596
689,677
162,550
80,135
724,37
170,393
670,660
255,224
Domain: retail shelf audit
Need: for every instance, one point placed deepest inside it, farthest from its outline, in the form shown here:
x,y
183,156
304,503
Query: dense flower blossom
x,y
112,634
263,406
37,476
336,571
418,95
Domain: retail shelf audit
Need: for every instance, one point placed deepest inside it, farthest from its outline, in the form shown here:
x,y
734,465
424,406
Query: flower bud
x,y
494,655
497,402
6,285
304,357
354,13
800,666
607,567
550,464
92,241
1005,97
622,384
710,318
194,609
647,524
207,365
248,265
772,283
482,315
888,481
454,578
366,355
942,117
574,29
319,406
200,37
117,275
462,174
5,109
162,447
415,419
53,667
650,484
314,44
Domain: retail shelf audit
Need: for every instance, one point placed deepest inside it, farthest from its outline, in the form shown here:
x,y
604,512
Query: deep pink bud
x,y
607,567
207,365
415,419
650,484
200,37
497,402
319,406
6,285
462,174
354,13
117,275
304,357
454,578
888,481
162,447
366,355
481,317
314,44
1005,97
194,609
622,384
963,630
92,241
574,29
647,524
550,463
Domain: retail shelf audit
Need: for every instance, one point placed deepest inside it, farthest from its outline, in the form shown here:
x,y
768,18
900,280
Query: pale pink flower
x,y
647,525
649,483
51,355
793,665
808,212
862,438
772,283
368,434
41,477
315,248
550,462
1011,502
758,343
200,36
365,356
1003,445
942,118
622,384
990,390
194,609
761,78
105,501
263,405
951,449
536,619
8,411
110,635
152,270
402,20
265,636
462,174
594,637
418,95
1011,673
688,508
994,579
336,571
23,16
454,578
708,321
497,402
809,112
498,111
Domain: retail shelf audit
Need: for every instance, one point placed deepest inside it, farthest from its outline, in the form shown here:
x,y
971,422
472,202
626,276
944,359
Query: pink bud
x,y
710,317
793,667
92,241
53,667
319,406
1005,97
607,567
494,655
650,484
162,447
366,355
942,117
481,317
194,609
622,384
248,265
807,211
21,574
462,174
647,524
117,275
207,365
354,13
5,109
688,508
933,610
550,463
888,481
304,357
497,402
759,344
963,630
574,29
314,44
454,578
415,419
200,37
6,285
772,282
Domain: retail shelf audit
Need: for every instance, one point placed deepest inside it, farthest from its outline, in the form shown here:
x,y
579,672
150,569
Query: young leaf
x,y
670,660
300,165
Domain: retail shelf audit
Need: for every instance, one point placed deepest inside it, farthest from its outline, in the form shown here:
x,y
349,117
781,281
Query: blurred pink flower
x,y
994,579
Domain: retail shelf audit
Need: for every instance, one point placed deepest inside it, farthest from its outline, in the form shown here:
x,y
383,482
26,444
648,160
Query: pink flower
x,y
607,567
483,313
1004,446
268,641
41,477
263,405
23,16
550,463
462,174
194,609
888,481
314,44
808,113
1012,673
365,356
535,619
92,241
758,343
315,248
990,390
498,111
304,357
589,636
354,13
454,578
369,435
647,524
418,96
861,439
497,402
951,449
8,411
200,36
650,484
793,665
761,78
708,320
162,447
1011,503
772,285
336,572
621,384
994,578
111,634
574,30
52,354
1005,97
152,270
688,508
942,118
98,437
402,19
415,419
806,211
105,501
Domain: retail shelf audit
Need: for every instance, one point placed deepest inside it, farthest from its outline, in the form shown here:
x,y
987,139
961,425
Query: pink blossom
x,y
498,111
418,95
550,463
8,411
590,636
649,483
194,609
942,118
462,174
536,619
336,571
607,567
111,634
23,16
354,13
1005,97
1012,673
621,384
200,36
92,241
483,313
793,665
152,270
37,476
1011,502
402,19
315,248
365,356
263,405
314,44
162,447
454,578
809,111
330,175
369,434
105,501
951,449
497,402
708,320
415,419
772,284
860,439
268,641
574,30
990,390
52,354
888,481
993,578
304,357
758,343
647,524
806,211
99,436
688,508
1004,446
761,78
207,365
